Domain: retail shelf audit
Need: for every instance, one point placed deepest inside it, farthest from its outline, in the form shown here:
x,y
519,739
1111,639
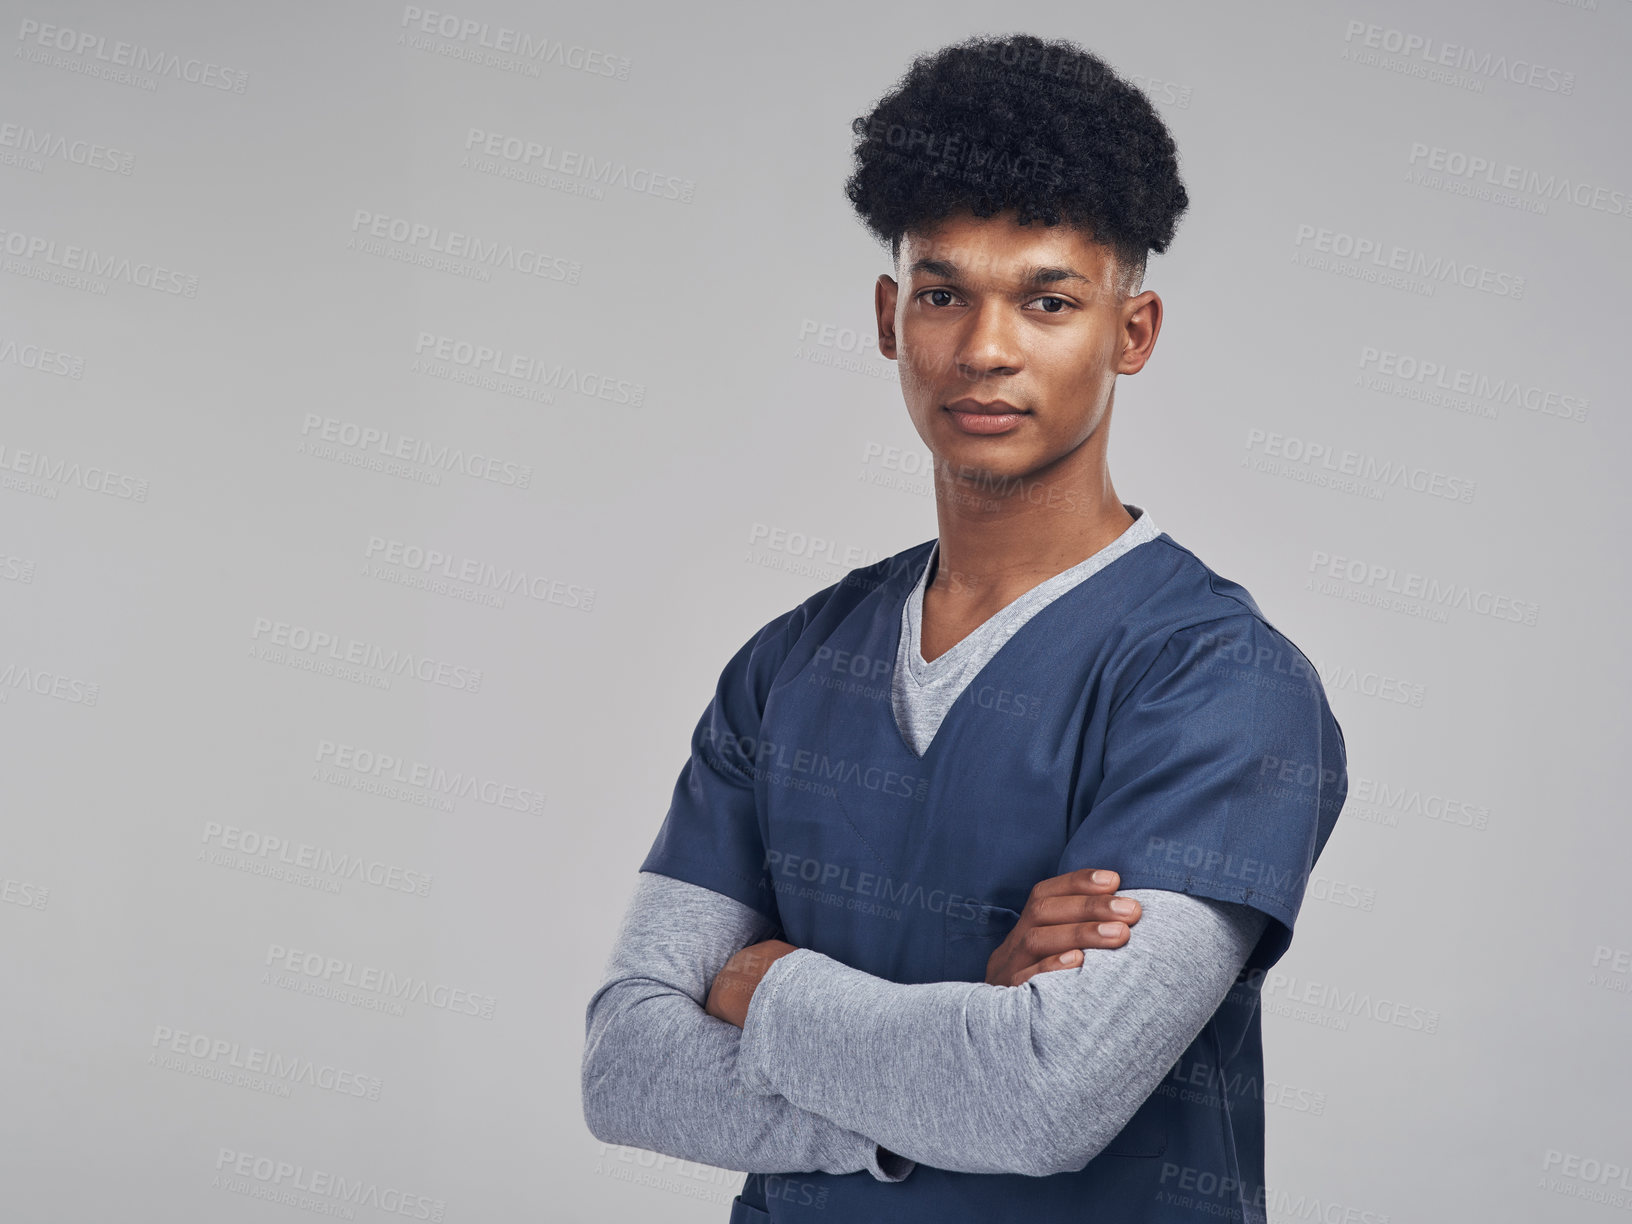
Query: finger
x,y
1089,880
1044,941
1100,934
1068,959
1051,911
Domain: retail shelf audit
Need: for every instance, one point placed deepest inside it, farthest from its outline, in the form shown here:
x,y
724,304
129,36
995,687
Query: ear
x,y
1142,323
884,297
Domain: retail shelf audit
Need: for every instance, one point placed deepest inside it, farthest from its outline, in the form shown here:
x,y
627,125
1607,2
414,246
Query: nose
x,y
989,342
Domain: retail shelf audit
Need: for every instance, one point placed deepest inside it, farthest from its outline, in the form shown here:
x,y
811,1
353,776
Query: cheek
x,y
918,362
1078,388
918,383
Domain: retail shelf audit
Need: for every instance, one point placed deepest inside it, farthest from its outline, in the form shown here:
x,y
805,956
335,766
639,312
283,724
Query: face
x,y
990,313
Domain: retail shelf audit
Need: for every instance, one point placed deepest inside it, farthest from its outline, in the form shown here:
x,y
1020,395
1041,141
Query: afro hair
x,y
1042,127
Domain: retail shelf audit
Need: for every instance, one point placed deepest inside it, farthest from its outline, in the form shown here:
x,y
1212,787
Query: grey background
x,y
1446,1037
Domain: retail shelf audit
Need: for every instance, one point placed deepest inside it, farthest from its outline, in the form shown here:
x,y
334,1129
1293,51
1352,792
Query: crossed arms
x,y
838,1071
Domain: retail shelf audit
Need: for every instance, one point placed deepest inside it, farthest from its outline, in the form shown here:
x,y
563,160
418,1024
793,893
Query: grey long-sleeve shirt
x,y
1032,1079
1059,1064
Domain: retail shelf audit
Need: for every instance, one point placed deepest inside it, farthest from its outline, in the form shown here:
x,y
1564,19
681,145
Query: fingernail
x,y
1103,877
1071,957
1109,929
1122,907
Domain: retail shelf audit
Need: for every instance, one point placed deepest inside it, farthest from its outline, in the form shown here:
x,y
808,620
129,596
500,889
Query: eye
x,y
947,292
1063,304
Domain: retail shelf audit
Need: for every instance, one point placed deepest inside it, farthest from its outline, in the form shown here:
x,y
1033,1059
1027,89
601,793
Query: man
x,y
926,783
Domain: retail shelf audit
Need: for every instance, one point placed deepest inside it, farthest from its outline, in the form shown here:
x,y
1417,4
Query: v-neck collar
x,y
925,669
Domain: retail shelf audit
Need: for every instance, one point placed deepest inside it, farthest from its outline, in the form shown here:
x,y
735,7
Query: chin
x,y
984,463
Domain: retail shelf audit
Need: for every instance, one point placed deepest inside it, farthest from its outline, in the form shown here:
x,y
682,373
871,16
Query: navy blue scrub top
x,y
1149,720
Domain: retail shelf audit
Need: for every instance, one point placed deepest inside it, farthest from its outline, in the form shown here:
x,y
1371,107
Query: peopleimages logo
x,y
250,844
413,558
45,683
45,471
232,1061
69,257
121,54
388,767
1345,1001
831,875
1378,802
814,547
1380,256
789,765
458,245
493,362
342,648
520,154
1198,1083
1420,377
24,893
405,987
1436,592
319,1190
508,41
1496,172
1439,54
1368,683
1598,1180
27,356
1386,472
31,143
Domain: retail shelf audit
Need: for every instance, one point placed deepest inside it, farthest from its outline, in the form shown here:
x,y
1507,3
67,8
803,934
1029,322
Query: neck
x,y
999,537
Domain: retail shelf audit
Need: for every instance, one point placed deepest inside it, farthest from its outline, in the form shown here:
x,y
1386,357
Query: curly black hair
x,y
1017,122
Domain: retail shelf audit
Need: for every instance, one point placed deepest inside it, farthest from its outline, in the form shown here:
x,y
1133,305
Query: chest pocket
x,y
973,932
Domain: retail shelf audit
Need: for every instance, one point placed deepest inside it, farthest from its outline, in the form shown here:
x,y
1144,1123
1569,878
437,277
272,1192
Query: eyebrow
x,y
946,270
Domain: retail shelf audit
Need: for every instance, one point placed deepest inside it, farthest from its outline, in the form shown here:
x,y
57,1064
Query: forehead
x,y
998,249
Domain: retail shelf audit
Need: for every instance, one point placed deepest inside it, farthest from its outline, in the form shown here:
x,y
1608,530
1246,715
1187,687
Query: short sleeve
x,y
1222,776
711,836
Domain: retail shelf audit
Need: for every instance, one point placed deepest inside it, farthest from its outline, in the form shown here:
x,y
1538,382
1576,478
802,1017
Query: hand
x,y
734,984
1063,915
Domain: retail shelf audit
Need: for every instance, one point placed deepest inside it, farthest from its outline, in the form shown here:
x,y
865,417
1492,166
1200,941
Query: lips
x,y
989,417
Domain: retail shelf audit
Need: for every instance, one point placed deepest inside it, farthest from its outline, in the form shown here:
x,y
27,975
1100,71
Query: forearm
x,y
659,1073
973,1078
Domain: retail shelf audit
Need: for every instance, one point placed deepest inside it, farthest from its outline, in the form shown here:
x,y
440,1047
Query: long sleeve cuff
x,y
886,1165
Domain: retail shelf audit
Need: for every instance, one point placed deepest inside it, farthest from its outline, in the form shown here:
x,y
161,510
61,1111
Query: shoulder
x,y
799,631
1193,591
1201,624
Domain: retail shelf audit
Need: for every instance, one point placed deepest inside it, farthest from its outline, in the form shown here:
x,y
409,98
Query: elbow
x,y
1048,1156
592,1094
624,1027
1040,1144
1062,1149
599,1123
595,1119
1077,1137
1058,1135
598,1091
1038,1164
1064,1158
599,1086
